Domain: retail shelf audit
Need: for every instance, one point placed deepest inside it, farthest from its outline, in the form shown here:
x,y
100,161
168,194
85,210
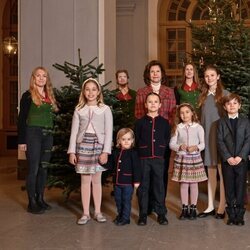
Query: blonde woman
x,y
34,123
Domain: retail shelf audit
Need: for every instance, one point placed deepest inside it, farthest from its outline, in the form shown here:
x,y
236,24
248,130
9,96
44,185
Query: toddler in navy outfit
x,y
125,164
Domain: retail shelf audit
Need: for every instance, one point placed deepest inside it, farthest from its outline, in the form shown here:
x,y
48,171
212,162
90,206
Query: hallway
x,y
57,229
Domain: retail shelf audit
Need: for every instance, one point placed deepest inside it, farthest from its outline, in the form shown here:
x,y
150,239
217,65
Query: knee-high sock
x,y
97,191
194,191
85,192
211,187
184,193
222,202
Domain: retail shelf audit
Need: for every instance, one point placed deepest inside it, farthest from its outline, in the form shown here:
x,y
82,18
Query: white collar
x,y
211,92
191,124
233,116
156,87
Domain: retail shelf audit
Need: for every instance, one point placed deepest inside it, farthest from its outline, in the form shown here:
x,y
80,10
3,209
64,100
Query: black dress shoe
x,y
162,220
239,222
220,216
142,221
117,219
123,222
205,214
230,222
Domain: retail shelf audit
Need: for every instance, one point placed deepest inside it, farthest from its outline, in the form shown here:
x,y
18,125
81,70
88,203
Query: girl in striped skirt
x,y
188,141
90,144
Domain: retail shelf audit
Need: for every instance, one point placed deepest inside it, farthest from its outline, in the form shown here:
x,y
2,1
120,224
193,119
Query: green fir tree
x,y
225,42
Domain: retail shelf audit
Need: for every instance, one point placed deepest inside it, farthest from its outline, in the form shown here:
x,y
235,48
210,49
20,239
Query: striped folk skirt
x,y
189,168
88,152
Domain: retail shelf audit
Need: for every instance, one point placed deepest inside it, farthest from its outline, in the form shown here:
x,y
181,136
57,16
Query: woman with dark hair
x,y
156,81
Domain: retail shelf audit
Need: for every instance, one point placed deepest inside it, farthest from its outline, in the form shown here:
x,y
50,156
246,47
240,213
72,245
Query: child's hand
x,y
72,159
237,160
183,147
103,158
22,147
191,149
136,185
231,161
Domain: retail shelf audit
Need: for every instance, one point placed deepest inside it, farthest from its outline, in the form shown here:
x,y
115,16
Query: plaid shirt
x,y
168,102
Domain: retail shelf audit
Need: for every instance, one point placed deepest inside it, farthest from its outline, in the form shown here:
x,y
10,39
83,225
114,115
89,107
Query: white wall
x,y
132,39
122,33
107,40
52,31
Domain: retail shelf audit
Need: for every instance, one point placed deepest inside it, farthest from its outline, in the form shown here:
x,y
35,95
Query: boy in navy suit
x,y
152,134
233,138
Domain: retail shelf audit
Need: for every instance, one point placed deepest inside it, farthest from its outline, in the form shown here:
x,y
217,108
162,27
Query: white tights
x,y
86,181
211,186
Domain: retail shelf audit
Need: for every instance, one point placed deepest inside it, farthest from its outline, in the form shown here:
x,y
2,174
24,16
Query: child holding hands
x,y
188,141
90,144
233,138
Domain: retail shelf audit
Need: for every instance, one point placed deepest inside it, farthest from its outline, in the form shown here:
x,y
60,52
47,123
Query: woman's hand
x,y
22,147
72,159
103,158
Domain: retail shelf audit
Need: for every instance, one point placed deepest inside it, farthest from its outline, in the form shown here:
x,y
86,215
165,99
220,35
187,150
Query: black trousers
x,y
152,178
235,183
39,145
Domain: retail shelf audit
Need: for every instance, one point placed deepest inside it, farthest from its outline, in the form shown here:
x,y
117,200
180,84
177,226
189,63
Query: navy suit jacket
x,y
152,136
230,146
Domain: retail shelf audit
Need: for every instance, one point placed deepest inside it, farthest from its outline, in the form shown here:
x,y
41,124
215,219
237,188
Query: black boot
x,y
33,207
184,213
239,216
192,212
42,203
231,215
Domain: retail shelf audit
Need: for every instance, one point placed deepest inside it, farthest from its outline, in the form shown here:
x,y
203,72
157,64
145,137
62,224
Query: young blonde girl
x,y
211,112
187,141
90,144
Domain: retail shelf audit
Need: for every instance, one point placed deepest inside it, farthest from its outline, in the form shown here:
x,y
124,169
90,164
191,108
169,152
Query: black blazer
x,y
152,136
25,104
125,166
227,146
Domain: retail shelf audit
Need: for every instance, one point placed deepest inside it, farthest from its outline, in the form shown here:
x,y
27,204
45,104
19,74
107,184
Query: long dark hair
x,y
178,116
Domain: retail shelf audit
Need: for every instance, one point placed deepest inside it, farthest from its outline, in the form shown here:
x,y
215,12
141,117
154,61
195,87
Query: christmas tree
x,y
61,172
225,42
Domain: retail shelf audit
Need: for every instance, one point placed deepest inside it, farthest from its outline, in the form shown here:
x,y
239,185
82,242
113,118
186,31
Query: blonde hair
x,y
121,133
178,117
35,95
83,100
